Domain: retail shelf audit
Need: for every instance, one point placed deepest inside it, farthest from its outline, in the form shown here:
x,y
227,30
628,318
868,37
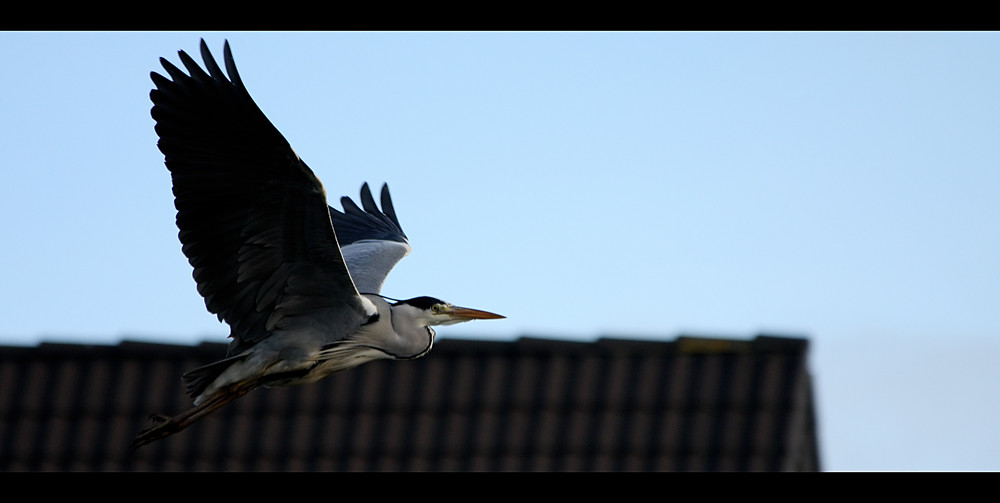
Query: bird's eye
x,y
436,308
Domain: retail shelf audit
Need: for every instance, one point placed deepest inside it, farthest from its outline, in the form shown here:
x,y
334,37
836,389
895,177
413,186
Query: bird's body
x,y
297,281
306,354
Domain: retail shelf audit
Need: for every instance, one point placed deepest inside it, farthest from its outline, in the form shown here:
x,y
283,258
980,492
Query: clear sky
x,y
838,186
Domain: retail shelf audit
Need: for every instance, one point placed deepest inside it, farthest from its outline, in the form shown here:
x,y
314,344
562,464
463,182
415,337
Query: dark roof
x,y
692,404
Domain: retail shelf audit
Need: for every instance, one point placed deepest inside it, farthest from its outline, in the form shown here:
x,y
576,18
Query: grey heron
x,y
297,281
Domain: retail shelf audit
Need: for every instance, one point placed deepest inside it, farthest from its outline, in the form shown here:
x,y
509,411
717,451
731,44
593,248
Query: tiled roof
x,y
692,404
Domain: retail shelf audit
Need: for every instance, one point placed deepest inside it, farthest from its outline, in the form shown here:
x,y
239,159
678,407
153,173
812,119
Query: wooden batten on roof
x,y
692,404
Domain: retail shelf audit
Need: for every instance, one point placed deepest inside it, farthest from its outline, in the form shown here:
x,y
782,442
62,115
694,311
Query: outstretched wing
x,y
371,240
253,217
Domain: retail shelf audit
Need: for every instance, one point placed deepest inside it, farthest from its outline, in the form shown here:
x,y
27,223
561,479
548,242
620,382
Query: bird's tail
x,y
196,380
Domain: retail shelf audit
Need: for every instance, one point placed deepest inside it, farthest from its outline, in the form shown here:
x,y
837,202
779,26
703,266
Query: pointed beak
x,y
465,314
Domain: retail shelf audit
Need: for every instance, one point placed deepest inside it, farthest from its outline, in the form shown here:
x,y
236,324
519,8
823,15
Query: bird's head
x,y
433,311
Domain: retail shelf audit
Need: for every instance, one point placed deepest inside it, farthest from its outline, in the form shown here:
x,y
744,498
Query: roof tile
x,y
693,404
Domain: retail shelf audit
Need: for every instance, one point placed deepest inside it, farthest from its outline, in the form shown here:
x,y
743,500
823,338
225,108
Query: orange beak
x,y
465,314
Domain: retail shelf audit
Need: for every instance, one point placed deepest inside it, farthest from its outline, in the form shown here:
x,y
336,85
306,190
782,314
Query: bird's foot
x,y
159,418
164,425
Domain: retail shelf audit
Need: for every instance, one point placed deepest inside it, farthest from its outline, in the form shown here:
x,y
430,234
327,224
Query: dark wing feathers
x,y
356,224
253,218
388,209
372,240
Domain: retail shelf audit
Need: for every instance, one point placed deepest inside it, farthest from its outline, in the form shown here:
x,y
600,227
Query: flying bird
x,y
297,281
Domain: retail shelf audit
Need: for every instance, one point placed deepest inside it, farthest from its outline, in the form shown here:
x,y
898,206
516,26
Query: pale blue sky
x,y
838,186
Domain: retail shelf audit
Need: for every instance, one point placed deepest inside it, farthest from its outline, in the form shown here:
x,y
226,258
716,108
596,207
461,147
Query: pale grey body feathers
x,y
306,353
